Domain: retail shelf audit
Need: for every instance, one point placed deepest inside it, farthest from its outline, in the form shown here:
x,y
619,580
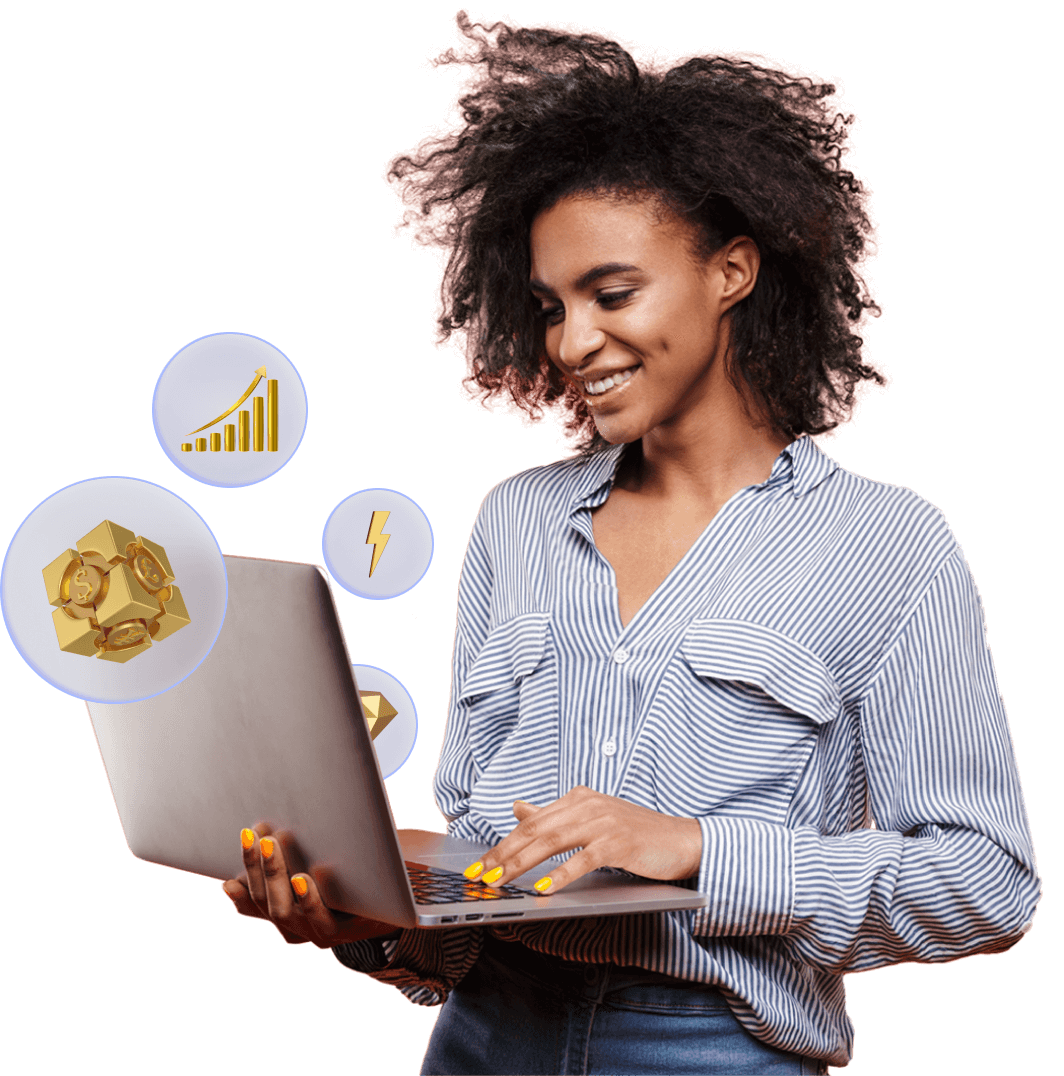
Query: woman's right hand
x,y
291,902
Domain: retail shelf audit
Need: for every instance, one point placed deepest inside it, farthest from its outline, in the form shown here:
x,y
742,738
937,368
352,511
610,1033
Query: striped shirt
x,y
811,682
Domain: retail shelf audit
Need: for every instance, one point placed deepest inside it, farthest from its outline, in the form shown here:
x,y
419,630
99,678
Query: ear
x,y
734,270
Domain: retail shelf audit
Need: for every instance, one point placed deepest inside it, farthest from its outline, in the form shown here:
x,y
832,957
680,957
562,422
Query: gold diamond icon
x,y
379,712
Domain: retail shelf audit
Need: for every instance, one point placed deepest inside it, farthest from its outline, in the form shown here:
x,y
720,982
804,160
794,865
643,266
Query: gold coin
x,y
128,633
148,571
84,585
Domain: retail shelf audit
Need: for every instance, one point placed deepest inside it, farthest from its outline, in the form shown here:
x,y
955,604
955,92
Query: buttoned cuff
x,y
747,874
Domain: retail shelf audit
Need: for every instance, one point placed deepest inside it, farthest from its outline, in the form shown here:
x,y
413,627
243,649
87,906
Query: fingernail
x,y
492,876
473,871
266,847
543,884
299,884
247,839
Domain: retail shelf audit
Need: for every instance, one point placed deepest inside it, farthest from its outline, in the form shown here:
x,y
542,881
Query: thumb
x,y
523,809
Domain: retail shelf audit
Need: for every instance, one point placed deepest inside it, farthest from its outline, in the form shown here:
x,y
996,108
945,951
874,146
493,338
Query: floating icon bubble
x,y
390,714
113,596
204,384
377,543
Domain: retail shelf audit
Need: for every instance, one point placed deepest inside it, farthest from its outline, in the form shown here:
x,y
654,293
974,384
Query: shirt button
x,y
609,748
620,655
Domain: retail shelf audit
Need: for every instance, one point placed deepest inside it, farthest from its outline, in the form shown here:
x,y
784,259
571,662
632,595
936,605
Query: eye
x,y
611,300
551,314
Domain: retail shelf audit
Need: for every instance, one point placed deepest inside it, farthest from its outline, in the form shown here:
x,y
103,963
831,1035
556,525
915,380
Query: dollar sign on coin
x,y
87,581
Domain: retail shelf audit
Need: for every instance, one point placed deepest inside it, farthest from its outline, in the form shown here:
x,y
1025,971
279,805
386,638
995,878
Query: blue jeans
x,y
519,1012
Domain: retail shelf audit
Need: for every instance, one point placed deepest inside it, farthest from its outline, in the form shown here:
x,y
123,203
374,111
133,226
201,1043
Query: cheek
x,y
551,346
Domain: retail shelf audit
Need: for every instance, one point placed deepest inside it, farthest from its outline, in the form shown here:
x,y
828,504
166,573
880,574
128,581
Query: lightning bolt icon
x,y
375,538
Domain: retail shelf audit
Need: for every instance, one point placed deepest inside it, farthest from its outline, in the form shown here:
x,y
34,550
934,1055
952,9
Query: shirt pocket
x,y
738,717
504,683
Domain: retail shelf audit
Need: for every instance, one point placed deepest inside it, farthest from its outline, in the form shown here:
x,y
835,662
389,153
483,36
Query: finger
x,y
576,866
249,847
279,896
522,810
317,917
284,913
236,890
547,832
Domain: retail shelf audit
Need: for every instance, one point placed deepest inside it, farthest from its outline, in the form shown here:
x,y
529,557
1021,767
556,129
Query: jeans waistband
x,y
602,982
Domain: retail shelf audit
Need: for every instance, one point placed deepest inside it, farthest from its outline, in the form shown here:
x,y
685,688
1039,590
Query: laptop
x,y
271,728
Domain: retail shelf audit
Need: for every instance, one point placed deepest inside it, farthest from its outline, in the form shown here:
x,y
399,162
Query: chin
x,y
615,435
620,429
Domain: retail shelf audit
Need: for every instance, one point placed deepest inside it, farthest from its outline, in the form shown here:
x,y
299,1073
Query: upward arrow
x,y
260,373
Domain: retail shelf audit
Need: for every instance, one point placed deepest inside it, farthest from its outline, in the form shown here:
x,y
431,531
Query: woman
x,y
700,649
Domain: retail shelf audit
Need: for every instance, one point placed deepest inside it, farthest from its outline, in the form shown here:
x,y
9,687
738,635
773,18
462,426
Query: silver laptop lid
x,y
269,729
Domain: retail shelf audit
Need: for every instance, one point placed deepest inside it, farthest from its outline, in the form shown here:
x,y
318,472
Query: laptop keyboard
x,y
434,885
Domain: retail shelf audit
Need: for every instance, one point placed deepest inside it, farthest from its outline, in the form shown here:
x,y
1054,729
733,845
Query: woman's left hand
x,y
609,832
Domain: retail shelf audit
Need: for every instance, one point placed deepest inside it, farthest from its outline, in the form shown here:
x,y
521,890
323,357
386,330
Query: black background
x,y
231,182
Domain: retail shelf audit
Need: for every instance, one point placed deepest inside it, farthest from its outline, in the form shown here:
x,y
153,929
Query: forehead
x,y
583,230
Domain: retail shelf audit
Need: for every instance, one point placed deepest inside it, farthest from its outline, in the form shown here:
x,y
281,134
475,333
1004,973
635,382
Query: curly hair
x,y
733,148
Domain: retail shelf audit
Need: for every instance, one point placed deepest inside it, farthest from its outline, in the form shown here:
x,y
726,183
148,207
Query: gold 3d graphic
x,y
243,435
115,595
379,712
375,538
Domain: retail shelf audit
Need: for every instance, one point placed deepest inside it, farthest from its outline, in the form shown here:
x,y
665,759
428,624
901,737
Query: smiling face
x,y
631,317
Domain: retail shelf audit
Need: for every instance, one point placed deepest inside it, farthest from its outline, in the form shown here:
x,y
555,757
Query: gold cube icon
x,y
174,616
114,594
107,539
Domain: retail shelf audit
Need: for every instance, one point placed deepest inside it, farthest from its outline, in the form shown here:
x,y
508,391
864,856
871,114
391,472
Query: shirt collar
x,y
801,463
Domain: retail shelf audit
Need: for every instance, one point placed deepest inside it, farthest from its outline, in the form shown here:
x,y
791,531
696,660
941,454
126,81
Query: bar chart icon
x,y
254,431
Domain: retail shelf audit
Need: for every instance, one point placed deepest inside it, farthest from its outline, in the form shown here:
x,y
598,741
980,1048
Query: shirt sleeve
x,y
424,964
948,868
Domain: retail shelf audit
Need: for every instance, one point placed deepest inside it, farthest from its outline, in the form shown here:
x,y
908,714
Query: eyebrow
x,y
589,277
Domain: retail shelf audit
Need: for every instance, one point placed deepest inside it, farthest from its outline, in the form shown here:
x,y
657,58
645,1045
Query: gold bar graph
x,y
259,424
271,416
257,429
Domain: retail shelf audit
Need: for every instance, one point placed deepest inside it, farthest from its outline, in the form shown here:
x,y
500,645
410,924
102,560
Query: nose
x,y
580,339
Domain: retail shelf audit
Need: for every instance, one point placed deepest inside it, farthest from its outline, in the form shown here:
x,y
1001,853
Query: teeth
x,y
596,388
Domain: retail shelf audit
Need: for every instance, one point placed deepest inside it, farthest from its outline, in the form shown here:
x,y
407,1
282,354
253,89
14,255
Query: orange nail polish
x,y
266,847
473,870
299,884
492,876
247,839
543,884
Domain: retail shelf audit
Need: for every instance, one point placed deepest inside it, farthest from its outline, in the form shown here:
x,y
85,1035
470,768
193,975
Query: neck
x,y
709,455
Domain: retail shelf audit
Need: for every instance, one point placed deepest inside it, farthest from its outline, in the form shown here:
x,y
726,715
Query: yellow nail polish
x,y
543,884
492,876
473,871
299,884
247,839
266,847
